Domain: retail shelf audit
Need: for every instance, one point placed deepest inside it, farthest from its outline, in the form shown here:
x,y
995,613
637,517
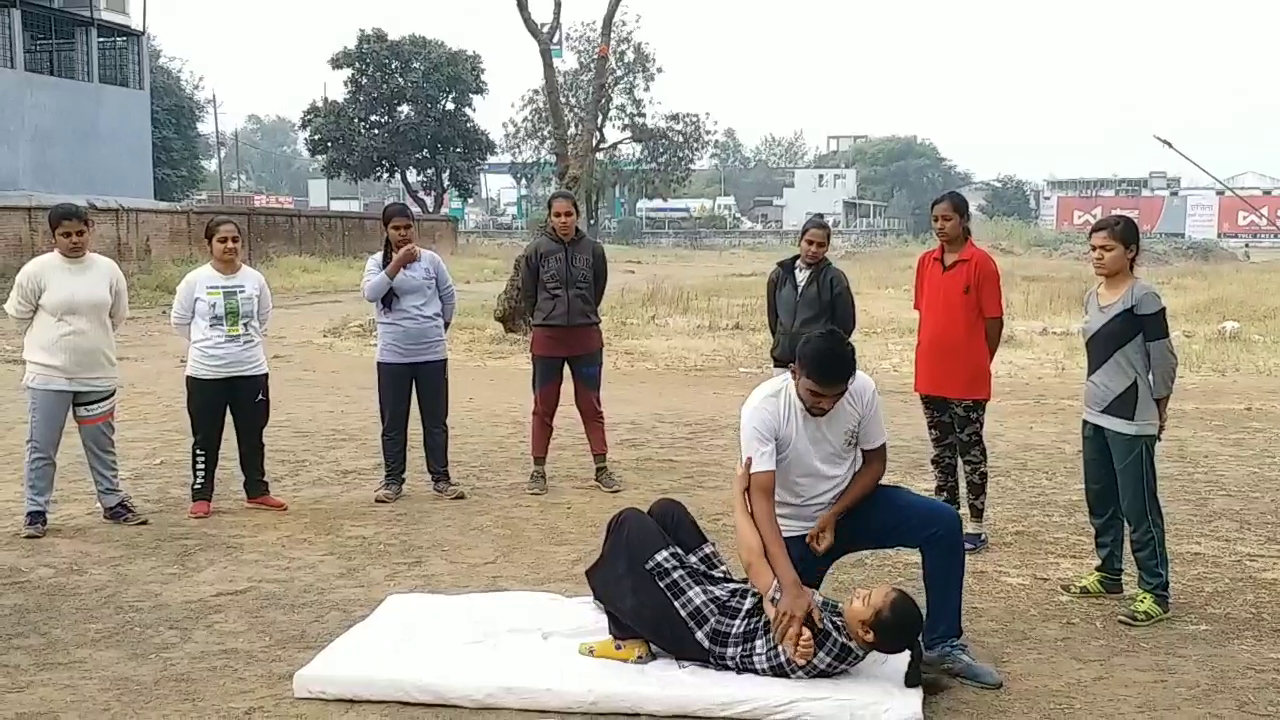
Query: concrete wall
x,y
137,238
73,138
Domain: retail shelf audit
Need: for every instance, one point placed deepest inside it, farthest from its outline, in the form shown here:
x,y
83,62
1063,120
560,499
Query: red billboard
x,y
1076,214
1236,219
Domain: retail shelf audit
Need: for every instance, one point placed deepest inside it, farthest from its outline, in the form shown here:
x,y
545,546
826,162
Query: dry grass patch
x,y
705,309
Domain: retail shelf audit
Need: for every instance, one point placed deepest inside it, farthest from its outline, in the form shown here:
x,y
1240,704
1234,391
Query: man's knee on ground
x,y
664,510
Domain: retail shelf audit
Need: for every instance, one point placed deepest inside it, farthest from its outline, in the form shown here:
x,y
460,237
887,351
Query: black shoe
x,y
388,493
35,525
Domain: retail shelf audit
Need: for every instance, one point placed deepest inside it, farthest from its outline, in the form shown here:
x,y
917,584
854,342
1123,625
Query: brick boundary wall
x,y
135,238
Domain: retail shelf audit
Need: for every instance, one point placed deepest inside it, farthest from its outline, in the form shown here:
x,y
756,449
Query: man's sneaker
x,y
266,502
606,480
123,513
537,484
975,542
954,660
448,490
1145,610
388,492
34,525
200,510
1093,585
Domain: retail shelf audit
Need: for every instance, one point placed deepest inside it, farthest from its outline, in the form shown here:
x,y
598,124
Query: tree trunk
x,y
584,150
411,193
551,86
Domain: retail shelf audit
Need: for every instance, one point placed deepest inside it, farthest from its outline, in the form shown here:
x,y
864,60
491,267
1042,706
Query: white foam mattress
x,y
519,651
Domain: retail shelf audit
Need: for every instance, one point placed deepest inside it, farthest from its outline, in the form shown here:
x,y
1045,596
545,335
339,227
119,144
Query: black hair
x,y
1121,229
826,357
68,212
960,204
211,227
896,627
564,195
817,222
392,212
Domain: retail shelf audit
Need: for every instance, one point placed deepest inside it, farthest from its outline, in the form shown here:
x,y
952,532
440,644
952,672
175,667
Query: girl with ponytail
x,y
414,302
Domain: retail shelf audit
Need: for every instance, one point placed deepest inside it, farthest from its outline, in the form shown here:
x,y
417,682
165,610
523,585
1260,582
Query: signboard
x,y
557,40
1254,220
1202,217
1077,214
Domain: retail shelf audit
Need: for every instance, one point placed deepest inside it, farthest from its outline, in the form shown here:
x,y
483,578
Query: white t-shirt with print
x,y
813,458
223,317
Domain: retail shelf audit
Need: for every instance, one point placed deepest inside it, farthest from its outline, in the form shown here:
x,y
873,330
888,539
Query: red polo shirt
x,y
954,303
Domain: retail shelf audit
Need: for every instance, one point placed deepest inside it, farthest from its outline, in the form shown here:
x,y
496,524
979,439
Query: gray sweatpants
x,y
94,413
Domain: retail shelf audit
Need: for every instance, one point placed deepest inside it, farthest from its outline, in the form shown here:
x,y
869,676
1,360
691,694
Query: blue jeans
x,y
895,517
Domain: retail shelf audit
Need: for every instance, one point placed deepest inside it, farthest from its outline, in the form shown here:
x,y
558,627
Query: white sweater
x,y
68,310
223,318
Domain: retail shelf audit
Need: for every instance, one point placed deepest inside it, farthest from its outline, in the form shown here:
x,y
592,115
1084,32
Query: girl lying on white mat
x,y
661,581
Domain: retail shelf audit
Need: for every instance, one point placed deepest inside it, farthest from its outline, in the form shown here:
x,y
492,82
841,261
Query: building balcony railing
x,y
70,46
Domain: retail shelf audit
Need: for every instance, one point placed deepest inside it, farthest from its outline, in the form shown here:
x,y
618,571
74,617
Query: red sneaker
x,y
267,502
200,510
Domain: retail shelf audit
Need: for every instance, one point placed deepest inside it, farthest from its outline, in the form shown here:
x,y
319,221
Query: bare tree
x,y
574,157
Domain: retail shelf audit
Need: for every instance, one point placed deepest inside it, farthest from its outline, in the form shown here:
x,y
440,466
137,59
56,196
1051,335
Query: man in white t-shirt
x,y
818,448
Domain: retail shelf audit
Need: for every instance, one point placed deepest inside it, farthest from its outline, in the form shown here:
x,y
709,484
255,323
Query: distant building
x,y
1245,209
1156,182
833,193
75,103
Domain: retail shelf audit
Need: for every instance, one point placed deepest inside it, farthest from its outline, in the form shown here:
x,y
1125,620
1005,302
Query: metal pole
x,y
239,181
328,194
217,152
1213,177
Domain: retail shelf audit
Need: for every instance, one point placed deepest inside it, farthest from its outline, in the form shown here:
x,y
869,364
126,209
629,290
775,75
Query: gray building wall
x,y
66,137
74,138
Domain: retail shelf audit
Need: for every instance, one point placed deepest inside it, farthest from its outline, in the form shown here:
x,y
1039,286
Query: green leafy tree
x,y
903,171
267,154
407,113
729,153
783,151
1009,197
178,150
594,117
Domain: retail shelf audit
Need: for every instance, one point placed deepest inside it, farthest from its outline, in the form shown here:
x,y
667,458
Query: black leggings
x,y
635,605
249,399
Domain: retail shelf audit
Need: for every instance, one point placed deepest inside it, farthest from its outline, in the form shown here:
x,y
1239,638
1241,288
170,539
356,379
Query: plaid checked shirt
x,y
727,616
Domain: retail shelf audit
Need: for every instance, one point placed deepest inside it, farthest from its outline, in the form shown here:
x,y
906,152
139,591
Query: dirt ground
x,y
210,619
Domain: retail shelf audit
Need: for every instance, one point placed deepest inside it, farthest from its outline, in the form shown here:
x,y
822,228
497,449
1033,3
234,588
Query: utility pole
x,y
239,181
217,152
328,195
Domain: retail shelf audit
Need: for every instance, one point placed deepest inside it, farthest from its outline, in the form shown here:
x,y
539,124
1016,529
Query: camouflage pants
x,y
955,431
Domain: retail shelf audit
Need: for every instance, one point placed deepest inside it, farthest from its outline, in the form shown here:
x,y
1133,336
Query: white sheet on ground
x,y
519,651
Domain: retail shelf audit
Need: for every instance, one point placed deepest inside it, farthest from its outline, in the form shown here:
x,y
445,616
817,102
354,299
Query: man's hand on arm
x,y
796,601
867,477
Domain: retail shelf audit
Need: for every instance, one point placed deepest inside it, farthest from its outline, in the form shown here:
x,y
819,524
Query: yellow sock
x,y
627,651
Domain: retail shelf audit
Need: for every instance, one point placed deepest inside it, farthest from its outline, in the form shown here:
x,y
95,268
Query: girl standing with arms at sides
x,y
961,321
68,305
806,293
1131,370
413,300
222,308
562,282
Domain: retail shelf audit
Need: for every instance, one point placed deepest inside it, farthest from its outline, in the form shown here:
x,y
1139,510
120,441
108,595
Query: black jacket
x,y
826,301
562,283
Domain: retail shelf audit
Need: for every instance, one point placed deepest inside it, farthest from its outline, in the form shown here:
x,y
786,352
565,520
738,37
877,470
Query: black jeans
x,y
635,604
396,384
249,399
1120,488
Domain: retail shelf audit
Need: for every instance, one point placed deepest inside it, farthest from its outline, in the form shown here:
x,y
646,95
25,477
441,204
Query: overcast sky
x,y
1002,86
